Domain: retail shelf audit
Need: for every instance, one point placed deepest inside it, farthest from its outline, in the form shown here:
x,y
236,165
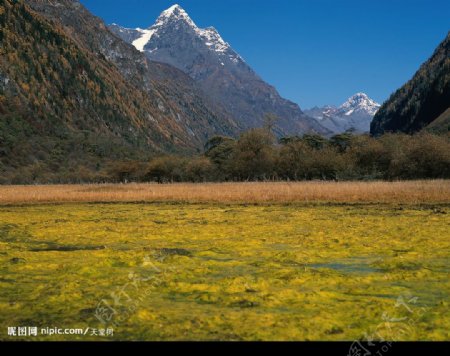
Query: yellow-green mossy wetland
x,y
226,272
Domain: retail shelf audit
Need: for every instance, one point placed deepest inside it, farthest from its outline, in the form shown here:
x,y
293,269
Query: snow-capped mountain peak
x,y
355,114
174,10
172,23
359,102
173,14
175,21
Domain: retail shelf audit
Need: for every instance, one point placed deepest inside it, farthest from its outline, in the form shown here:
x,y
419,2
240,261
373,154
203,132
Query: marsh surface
x,y
227,272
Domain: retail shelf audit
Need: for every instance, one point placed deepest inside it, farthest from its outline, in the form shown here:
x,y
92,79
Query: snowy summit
x,y
176,19
355,114
359,102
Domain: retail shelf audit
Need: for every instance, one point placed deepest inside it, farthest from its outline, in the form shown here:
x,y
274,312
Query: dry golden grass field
x,y
412,192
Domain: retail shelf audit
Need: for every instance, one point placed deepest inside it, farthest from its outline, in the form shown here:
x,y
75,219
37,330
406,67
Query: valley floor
x,y
217,271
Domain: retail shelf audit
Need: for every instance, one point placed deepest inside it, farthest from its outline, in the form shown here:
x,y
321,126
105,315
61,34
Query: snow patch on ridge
x,y
142,41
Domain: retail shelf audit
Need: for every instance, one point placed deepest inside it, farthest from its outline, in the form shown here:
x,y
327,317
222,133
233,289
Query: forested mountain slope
x,y
422,100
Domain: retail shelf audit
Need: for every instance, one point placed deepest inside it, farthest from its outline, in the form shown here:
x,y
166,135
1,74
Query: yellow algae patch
x,y
227,272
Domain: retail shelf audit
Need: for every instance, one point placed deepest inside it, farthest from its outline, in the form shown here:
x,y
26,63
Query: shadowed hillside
x,y
422,100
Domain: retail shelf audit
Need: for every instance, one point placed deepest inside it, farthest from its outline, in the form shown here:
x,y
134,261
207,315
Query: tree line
x,y
257,156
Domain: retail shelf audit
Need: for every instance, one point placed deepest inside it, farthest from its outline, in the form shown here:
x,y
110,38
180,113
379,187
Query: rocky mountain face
x,y
422,102
185,116
355,114
221,72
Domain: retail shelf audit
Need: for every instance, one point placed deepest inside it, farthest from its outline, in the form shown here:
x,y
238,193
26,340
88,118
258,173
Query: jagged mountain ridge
x,y
423,101
355,114
222,72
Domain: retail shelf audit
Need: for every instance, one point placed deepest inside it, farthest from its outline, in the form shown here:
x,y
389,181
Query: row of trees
x,y
257,156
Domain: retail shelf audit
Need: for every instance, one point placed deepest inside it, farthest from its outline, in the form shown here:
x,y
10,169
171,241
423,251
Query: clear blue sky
x,y
315,52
